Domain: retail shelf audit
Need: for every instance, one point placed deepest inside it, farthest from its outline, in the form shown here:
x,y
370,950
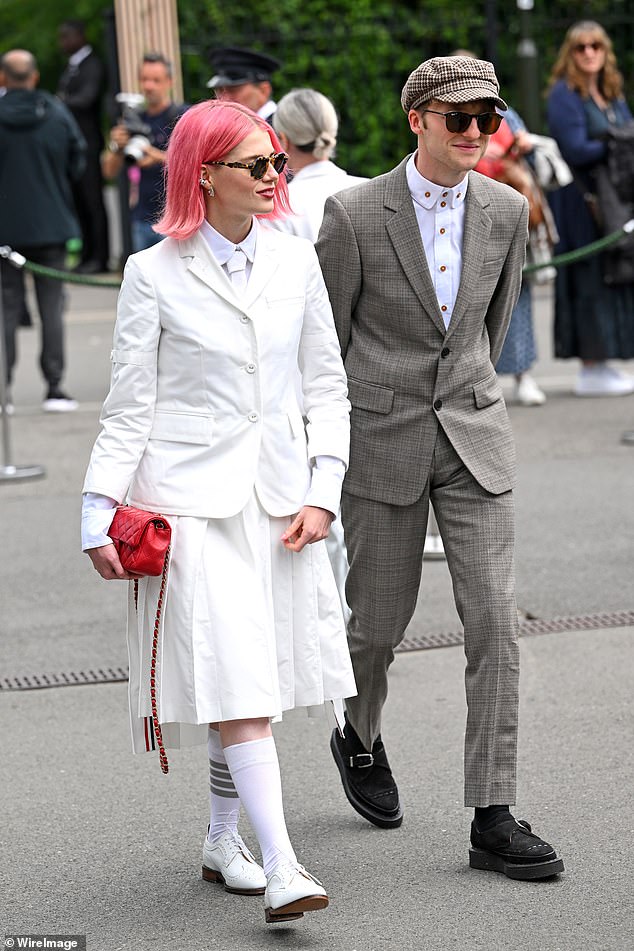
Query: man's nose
x,y
472,131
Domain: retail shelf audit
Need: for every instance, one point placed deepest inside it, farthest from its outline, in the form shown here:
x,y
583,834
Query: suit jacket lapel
x,y
402,228
200,261
203,264
265,264
477,228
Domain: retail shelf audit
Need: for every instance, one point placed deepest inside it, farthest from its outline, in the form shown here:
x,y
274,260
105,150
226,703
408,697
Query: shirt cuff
x,y
97,513
325,487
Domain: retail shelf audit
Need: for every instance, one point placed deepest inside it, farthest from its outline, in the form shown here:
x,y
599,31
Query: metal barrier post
x,y
8,471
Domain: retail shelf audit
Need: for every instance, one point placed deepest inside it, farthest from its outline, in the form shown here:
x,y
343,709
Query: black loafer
x,y
512,849
367,779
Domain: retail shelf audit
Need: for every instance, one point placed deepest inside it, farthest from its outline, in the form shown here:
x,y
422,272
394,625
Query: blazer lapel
x,y
199,260
477,228
265,264
402,228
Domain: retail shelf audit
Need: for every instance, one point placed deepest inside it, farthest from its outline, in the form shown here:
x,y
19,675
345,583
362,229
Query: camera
x,y
137,129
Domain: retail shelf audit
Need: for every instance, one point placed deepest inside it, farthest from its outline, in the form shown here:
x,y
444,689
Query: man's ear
x,y
415,121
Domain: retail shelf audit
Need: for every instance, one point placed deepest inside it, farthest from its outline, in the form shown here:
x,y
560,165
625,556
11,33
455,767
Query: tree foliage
x,y
357,52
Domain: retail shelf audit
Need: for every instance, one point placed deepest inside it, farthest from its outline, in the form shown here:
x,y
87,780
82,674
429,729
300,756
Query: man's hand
x,y
310,525
151,156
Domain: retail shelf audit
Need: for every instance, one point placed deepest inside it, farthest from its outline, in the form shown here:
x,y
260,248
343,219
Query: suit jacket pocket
x,y
487,392
370,396
182,427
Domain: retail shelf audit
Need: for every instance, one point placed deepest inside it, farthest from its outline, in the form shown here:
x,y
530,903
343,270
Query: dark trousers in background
x,y
50,295
91,212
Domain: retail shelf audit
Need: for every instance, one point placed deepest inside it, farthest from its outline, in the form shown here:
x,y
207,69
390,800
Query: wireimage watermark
x,y
68,942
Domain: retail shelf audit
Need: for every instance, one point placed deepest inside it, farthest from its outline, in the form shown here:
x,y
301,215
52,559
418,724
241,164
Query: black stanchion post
x,y
8,471
527,69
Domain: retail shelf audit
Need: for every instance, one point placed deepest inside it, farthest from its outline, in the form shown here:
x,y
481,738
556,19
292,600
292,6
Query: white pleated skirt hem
x,y
248,630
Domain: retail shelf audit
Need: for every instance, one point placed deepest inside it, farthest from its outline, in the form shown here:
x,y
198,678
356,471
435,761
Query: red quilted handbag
x,y
141,538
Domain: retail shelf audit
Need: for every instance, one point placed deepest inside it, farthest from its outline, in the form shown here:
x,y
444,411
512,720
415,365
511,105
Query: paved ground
x,y
95,841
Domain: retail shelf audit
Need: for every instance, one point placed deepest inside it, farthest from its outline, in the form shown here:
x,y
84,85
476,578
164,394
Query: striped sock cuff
x,y
220,781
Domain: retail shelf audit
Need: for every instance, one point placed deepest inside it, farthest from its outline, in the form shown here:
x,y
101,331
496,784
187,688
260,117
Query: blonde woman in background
x,y
306,123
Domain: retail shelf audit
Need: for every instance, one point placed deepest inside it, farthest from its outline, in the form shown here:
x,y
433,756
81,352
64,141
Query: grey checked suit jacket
x,y
407,374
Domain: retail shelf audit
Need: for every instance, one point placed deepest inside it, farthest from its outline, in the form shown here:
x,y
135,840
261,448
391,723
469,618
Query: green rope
x,y
69,276
559,261
587,251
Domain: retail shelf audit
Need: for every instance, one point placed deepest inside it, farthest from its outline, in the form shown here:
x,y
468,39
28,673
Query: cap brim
x,y
467,95
221,80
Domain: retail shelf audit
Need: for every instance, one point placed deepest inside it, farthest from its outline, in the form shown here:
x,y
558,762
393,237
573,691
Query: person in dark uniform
x,y
80,88
244,76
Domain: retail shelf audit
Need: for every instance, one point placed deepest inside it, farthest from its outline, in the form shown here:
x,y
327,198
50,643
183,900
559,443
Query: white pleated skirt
x,y
248,629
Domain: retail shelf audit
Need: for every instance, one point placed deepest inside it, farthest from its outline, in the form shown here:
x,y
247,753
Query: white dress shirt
x,y
440,214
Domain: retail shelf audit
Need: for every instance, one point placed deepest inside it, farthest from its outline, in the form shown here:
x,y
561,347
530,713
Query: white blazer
x,y
202,406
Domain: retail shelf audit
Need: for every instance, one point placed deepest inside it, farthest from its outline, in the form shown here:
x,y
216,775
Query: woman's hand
x,y
106,561
310,525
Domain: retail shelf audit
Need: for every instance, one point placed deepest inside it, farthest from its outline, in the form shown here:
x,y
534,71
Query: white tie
x,y
237,268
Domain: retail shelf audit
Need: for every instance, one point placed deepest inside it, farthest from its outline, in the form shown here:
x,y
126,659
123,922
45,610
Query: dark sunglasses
x,y
259,166
488,122
582,47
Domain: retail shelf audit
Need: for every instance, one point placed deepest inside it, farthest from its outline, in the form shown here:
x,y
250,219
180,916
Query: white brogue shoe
x,y
230,862
290,891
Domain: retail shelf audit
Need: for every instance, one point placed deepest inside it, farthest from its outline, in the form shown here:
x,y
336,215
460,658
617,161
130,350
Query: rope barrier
x,y
560,260
587,251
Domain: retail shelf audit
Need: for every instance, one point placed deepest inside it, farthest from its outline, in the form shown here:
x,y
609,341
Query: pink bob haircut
x,y
208,132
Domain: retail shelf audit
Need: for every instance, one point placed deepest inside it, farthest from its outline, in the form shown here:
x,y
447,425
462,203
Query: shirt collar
x,y
222,248
80,55
427,193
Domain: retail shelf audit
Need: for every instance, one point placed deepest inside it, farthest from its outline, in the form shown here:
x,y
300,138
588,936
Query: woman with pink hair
x,y
202,424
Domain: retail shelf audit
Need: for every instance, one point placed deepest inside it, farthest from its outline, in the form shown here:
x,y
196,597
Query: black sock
x,y
488,816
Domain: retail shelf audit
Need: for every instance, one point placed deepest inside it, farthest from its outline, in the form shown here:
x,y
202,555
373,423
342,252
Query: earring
x,y
206,184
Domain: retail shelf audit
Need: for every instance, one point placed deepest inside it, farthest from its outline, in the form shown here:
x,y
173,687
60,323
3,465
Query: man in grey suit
x,y
423,267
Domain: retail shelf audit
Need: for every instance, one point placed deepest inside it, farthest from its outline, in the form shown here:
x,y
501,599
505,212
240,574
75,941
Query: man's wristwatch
x,y
112,146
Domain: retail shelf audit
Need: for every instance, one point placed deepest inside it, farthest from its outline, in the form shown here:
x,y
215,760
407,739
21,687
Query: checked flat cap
x,y
453,79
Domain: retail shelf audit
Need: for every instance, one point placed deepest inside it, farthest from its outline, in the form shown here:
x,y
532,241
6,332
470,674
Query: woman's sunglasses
x,y
488,122
582,47
260,165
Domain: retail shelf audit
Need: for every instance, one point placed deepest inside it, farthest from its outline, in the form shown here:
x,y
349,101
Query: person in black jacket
x,y
41,153
81,87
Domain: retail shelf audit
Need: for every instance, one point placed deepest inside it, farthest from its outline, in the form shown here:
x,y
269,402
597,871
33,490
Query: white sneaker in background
x,y
528,393
603,380
58,402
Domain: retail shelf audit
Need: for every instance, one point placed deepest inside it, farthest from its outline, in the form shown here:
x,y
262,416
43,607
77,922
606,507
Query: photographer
x,y
150,128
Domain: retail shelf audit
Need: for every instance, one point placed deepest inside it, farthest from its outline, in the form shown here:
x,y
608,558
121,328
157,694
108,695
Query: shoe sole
x,y
376,818
296,909
490,862
211,875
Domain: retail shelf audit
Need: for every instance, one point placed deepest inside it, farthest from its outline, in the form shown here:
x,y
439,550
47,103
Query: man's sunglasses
x,y
582,47
259,166
488,122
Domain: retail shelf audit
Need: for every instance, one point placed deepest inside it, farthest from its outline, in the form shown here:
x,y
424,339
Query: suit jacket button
x,y
445,352
438,404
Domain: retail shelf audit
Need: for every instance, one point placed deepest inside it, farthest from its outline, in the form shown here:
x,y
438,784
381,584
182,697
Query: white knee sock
x,y
256,773
224,802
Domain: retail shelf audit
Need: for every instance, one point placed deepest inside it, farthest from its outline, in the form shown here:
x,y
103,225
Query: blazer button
x,y
438,404
445,352
253,417
250,368
244,319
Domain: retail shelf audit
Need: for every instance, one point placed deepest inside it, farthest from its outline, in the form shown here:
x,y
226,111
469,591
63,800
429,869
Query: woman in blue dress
x,y
594,321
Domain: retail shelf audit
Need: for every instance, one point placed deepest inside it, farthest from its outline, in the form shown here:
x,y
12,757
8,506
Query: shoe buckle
x,y
362,760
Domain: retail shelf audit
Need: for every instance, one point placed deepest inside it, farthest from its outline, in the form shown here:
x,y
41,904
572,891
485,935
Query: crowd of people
x,y
299,350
